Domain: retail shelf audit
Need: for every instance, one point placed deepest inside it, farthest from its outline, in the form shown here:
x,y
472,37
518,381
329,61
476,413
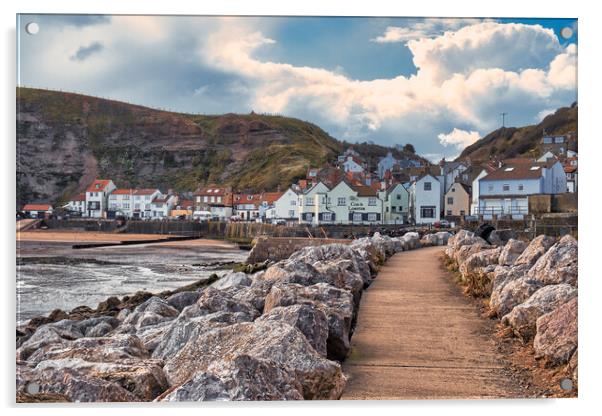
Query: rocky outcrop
x,y
556,337
558,264
536,248
511,251
278,343
533,288
523,317
275,334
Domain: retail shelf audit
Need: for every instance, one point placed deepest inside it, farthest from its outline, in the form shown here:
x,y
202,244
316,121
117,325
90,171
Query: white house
x,y
507,189
121,201
77,204
142,201
352,164
474,203
425,199
162,205
286,207
396,204
312,203
97,197
450,172
350,204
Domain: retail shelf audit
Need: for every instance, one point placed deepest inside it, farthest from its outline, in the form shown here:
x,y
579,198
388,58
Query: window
x,y
520,187
453,189
372,201
427,186
341,201
219,199
449,212
371,217
490,188
126,205
427,212
212,199
450,200
398,196
205,198
462,212
327,216
506,187
387,209
310,201
357,217
293,202
291,213
126,197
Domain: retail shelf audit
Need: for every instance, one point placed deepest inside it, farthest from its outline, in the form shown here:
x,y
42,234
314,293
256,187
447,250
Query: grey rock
x,y
536,248
180,300
559,264
511,251
556,337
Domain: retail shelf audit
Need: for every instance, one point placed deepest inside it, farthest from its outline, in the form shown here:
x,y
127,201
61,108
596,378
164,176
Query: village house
x,y
352,164
142,202
37,210
97,197
351,204
268,199
183,209
506,190
77,204
570,169
450,171
559,145
474,201
312,204
396,204
285,207
246,206
425,199
162,205
121,202
391,164
457,200
216,200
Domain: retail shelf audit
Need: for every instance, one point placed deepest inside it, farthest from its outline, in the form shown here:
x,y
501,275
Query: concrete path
x,y
417,337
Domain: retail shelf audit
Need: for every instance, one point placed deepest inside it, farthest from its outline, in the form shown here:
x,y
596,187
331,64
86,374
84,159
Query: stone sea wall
x,y
278,334
531,286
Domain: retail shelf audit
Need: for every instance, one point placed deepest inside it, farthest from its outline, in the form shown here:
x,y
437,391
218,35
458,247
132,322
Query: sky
x,y
438,83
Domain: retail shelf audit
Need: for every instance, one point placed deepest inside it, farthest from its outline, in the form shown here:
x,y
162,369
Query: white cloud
x,y
464,78
458,138
424,28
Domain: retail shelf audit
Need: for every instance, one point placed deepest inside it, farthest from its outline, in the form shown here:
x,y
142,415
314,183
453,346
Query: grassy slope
x,y
524,141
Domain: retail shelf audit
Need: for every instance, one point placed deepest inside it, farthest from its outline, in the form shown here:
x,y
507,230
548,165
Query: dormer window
x,y
534,168
509,169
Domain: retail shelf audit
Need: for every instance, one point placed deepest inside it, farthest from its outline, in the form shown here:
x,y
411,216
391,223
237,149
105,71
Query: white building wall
x,y
423,198
287,206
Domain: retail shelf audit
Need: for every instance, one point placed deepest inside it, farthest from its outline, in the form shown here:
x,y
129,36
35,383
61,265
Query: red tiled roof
x,y
79,197
37,207
570,169
144,191
122,192
211,191
363,190
517,171
186,203
102,184
271,197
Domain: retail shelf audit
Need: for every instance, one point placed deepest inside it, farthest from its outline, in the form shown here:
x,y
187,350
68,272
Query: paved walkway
x,y
417,337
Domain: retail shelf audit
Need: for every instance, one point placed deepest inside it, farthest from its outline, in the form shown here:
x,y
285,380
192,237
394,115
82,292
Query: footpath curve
x,y
418,337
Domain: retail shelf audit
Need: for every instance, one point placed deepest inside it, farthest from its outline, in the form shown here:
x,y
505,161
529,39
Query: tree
x,y
409,147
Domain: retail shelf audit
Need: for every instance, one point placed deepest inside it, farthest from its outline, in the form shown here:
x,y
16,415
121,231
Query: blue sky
x,y
437,83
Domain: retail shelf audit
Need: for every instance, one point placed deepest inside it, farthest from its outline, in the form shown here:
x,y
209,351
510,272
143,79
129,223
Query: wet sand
x,y
84,236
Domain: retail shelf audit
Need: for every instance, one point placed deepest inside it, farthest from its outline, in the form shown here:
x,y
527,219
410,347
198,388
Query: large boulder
x,y
511,251
467,250
523,317
279,343
429,240
336,303
232,279
53,333
536,248
151,312
214,300
73,385
184,328
311,321
558,264
183,299
443,237
556,337
512,293
242,378
479,260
